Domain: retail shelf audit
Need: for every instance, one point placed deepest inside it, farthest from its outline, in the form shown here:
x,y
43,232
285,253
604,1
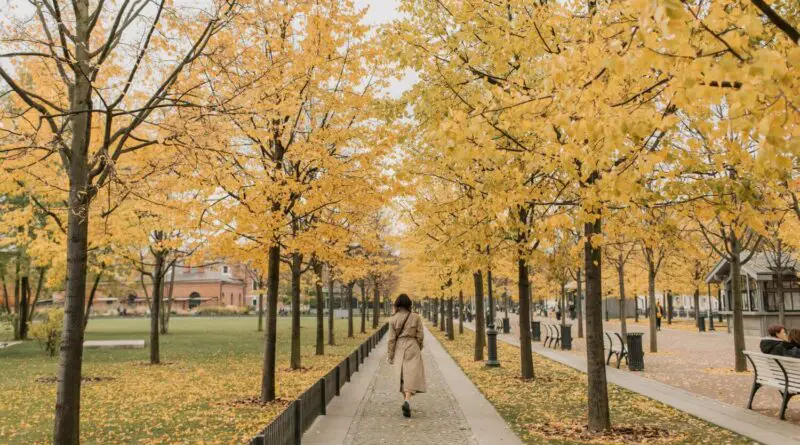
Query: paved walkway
x,y
701,363
452,411
767,430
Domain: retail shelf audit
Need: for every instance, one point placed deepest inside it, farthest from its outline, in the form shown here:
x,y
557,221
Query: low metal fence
x,y
299,415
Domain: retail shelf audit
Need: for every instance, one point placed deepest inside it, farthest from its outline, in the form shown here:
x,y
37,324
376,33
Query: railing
x,y
292,422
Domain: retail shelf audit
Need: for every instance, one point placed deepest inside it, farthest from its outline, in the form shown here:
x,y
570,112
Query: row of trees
x,y
141,135
549,136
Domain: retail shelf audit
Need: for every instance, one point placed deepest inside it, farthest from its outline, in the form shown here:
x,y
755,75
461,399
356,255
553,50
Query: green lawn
x,y
203,392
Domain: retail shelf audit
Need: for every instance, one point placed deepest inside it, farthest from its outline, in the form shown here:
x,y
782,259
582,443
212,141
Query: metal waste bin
x,y
635,351
506,325
566,337
536,330
701,323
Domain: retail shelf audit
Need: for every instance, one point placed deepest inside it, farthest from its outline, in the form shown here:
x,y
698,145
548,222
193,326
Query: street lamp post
x,y
491,333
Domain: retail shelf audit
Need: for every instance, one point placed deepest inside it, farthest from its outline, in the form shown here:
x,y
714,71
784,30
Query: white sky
x,y
380,12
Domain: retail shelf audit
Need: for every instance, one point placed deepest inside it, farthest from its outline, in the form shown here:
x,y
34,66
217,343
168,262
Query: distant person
x,y
777,342
659,315
405,350
793,347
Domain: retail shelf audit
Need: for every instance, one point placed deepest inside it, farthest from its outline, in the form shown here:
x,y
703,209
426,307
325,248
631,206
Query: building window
x,y
224,269
255,285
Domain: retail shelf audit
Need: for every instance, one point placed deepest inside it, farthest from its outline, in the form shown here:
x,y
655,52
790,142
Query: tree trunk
x,y
736,297
525,356
6,303
66,428
450,334
480,316
652,309
91,298
331,339
623,317
167,312
580,303
320,309
460,311
17,289
376,295
22,316
155,307
39,287
697,307
363,287
260,311
599,419
435,312
350,333
270,339
670,306
443,306
297,264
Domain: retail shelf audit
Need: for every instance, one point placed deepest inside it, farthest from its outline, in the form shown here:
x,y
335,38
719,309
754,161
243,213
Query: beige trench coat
x,y
405,353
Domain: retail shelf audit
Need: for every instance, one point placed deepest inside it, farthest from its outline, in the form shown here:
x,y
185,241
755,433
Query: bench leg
x,y
619,359
608,360
755,388
784,403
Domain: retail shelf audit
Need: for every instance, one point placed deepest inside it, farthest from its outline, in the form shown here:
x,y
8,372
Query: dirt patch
x,y
144,363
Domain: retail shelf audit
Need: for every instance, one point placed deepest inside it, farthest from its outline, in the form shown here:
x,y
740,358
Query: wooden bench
x,y
776,371
553,338
616,347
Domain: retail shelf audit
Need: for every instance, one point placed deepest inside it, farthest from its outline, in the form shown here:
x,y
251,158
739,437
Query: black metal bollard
x,y
491,333
635,351
506,325
701,323
566,337
536,330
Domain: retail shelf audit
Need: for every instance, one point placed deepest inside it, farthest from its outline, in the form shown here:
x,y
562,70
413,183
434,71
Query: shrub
x,y
48,331
217,310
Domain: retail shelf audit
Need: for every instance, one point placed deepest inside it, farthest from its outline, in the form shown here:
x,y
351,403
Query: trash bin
x,y
701,323
566,337
536,329
506,325
635,351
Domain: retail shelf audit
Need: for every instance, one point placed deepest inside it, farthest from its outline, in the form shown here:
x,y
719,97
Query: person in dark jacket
x,y
777,343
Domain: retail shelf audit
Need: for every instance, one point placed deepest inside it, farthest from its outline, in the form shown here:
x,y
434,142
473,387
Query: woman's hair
x,y
403,301
774,329
794,335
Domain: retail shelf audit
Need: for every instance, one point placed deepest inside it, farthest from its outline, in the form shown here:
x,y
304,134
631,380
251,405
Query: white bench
x,y
553,337
616,347
776,371
113,344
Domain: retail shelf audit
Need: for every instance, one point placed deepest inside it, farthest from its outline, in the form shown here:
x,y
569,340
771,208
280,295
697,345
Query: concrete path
x,y
763,429
8,344
452,411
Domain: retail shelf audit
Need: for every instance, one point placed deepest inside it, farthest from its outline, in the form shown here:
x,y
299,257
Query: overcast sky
x,y
380,12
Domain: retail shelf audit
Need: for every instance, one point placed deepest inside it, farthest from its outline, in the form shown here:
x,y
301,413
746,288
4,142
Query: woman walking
x,y
405,350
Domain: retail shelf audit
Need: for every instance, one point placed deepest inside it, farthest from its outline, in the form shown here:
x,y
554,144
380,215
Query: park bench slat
x,y
776,371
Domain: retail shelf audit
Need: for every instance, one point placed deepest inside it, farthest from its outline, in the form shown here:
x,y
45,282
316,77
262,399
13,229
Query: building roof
x,y
759,267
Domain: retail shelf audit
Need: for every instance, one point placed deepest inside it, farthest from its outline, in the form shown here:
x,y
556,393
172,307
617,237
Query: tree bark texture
x,y
599,418
271,337
297,264
525,356
480,316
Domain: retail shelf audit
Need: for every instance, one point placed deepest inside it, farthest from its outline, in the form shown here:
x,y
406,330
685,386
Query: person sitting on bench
x,y
777,342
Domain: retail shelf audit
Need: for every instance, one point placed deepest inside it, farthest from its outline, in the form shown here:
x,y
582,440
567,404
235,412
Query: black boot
x,y
406,409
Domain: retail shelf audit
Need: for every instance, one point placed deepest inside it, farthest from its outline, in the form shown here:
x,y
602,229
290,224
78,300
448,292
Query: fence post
x,y
323,410
338,371
298,421
347,375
